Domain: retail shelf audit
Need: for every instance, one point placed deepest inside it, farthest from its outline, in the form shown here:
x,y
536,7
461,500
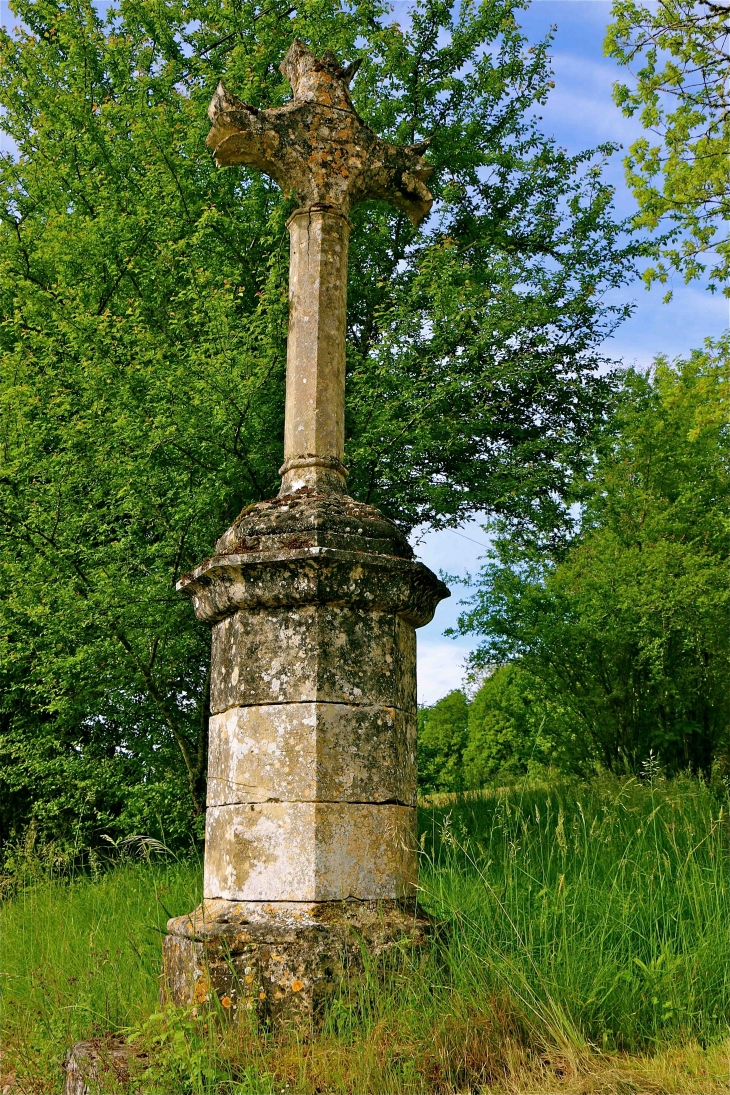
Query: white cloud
x,y
581,106
440,667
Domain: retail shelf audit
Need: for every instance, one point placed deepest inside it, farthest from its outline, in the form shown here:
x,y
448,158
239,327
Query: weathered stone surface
x,y
321,702
284,959
100,1065
310,851
306,576
315,363
309,518
316,146
329,653
327,752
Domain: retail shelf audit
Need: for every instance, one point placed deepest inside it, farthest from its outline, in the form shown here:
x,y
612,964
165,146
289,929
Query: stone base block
x,y
328,653
283,959
310,851
312,752
98,1066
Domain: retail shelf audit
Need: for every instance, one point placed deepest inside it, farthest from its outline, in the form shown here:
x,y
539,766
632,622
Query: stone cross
x,y
319,150
311,852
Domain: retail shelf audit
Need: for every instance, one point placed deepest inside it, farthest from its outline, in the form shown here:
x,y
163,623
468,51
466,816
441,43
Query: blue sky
x,y
579,114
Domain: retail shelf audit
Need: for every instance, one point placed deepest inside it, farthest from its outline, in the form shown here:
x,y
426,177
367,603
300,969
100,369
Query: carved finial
x,y
317,81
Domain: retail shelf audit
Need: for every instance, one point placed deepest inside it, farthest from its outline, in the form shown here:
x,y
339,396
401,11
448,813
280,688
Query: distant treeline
x,y
608,641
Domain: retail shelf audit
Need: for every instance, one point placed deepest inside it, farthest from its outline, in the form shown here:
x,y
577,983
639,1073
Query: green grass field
x,y
587,951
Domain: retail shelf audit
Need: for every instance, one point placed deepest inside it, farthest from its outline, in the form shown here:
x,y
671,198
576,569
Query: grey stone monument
x,y
313,598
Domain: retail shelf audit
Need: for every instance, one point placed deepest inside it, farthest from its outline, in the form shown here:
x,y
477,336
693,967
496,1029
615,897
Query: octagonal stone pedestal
x,y
311,849
283,959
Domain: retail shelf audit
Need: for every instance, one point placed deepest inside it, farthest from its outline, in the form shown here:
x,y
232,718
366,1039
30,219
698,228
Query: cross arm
x,y
242,134
396,174
316,145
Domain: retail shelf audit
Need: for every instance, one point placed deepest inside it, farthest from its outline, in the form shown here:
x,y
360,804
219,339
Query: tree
x,y
516,726
142,342
627,627
501,731
680,50
512,727
442,736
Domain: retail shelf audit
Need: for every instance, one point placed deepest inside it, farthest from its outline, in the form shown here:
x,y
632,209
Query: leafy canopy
x,y
627,629
143,299
442,737
679,54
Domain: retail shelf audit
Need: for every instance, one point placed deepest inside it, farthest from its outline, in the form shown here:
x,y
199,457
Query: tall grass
x,y
604,909
80,955
581,924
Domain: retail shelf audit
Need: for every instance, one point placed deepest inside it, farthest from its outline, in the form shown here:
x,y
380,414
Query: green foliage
x,y
627,625
677,51
142,348
442,736
82,955
502,734
585,900
515,727
579,919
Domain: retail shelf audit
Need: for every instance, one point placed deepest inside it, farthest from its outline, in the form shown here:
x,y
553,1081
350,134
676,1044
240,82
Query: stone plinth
x,y
283,959
311,815
98,1065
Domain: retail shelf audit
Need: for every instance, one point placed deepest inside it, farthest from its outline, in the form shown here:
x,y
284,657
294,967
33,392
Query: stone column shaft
x,y
314,442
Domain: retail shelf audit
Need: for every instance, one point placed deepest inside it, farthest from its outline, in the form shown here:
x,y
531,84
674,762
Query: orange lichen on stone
x,y
317,946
